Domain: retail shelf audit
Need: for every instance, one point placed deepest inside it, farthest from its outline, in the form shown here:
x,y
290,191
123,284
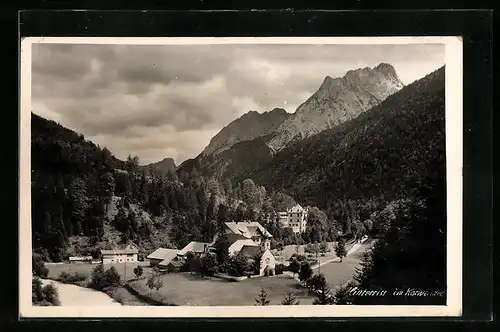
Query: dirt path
x,y
72,295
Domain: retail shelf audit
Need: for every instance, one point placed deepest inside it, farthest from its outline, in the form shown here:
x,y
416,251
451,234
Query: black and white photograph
x,y
309,176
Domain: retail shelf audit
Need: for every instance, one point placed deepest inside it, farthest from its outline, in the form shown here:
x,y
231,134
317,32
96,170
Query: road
x,y
72,295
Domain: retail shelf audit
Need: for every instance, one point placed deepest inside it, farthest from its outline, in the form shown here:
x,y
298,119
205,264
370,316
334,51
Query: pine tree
x,y
143,195
342,296
324,296
78,203
107,188
221,248
262,300
340,249
60,223
290,300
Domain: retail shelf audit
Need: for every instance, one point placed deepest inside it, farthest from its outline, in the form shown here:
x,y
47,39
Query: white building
x,y
127,255
294,218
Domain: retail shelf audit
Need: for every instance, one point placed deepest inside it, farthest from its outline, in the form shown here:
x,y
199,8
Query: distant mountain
x,y
252,140
385,151
246,128
336,101
238,147
163,166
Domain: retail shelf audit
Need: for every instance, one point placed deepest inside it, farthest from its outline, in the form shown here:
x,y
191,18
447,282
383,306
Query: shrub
x,y
38,266
138,271
71,278
237,265
279,269
112,277
97,278
101,279
44,296
36,290
305,272
51,294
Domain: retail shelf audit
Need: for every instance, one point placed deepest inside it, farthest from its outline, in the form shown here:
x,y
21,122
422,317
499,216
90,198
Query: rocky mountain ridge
x,y
246,128
338,100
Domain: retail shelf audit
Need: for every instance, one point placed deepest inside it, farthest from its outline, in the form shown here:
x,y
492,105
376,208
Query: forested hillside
x,y
84,199
381,155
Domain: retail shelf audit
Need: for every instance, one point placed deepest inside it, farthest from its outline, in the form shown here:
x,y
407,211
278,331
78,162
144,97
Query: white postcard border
x,y
454,162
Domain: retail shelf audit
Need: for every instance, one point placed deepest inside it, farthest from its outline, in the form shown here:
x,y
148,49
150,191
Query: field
x,y
188,289
126,271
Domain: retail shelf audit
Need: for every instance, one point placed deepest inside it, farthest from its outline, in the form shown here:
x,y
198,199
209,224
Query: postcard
x,y
240,177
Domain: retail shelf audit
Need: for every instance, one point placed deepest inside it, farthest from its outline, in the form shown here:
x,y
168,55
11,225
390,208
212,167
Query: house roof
x,y
250,251
248,229
237,245
169,260
297,208
119,251
163,253
174,263
196,247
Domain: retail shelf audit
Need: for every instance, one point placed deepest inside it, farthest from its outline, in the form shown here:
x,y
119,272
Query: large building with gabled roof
x,y
294,218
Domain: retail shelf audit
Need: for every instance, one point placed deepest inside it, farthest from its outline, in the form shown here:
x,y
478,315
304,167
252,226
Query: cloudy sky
x,y
158,101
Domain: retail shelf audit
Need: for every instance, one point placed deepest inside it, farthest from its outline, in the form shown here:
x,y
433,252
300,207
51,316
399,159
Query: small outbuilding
x,y
160,255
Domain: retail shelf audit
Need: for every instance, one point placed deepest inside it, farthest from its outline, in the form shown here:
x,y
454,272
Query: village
x,y
194,275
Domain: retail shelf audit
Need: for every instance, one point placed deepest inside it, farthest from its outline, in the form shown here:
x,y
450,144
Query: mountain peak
x,y
277,110
338,100
385,68
245,128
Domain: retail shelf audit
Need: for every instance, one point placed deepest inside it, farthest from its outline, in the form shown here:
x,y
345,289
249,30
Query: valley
x,y
364,155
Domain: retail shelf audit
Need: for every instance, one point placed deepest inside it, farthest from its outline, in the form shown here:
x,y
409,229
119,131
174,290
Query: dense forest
x,y
84,199
409,257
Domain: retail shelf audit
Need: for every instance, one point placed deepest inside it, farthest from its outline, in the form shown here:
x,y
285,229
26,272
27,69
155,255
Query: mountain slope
x,y
75,186
238,147
384,151
248,127
52,146
338,100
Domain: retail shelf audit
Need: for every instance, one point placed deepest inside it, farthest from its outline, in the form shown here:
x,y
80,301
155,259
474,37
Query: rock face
x,y
336,101
248,127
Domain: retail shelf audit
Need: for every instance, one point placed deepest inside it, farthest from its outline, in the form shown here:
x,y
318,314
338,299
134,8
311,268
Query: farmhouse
x,y
162,255
239,244
246,230
127,255
294,218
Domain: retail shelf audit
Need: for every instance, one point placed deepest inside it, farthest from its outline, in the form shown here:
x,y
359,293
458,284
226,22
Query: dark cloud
x,y
159,101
